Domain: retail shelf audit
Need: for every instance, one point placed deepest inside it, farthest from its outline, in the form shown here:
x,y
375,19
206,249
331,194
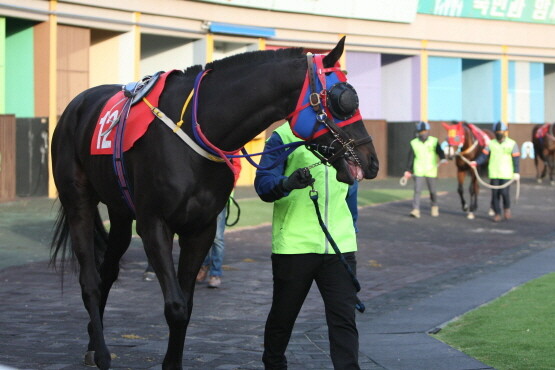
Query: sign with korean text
x,y
531,11
403,11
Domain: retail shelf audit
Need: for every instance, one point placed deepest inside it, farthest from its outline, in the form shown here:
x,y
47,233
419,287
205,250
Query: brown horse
x,y
466,141
543,138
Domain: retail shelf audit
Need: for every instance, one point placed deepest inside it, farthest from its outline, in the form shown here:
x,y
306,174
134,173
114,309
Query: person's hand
x,y
407,175
443,161
473,164
299,179
516,176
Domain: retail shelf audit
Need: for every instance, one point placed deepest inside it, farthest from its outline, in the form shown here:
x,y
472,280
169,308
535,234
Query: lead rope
x,y
489,186
314,197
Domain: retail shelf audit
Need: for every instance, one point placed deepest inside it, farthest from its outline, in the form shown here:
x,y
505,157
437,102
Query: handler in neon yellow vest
x,y
422,166
504,159
301,254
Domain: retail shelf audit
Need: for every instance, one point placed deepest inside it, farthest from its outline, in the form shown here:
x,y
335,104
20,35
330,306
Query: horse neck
x,y
242,110
471,147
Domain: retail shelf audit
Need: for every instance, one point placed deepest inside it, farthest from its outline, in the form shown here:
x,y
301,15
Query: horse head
x,y
327,116
455,138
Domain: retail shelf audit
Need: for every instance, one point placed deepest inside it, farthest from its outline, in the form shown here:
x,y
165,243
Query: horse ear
x,y
334,55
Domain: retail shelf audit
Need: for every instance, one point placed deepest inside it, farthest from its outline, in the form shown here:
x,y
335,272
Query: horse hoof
x,y
539,181
89,359
552,183
470,216
491,212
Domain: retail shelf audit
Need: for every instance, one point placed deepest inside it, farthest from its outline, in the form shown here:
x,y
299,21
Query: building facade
x,y
479,61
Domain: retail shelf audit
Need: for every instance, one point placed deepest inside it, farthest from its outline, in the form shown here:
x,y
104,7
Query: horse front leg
x,y
460,189
474,189
158,242
193,251
119,239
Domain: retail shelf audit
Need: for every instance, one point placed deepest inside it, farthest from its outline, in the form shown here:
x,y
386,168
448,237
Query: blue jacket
x,y
268,183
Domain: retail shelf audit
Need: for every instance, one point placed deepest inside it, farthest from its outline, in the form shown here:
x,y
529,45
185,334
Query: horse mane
x,y
254,58
193,70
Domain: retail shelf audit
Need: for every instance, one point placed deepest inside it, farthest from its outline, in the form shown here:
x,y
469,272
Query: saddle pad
x,y
480,135
140,117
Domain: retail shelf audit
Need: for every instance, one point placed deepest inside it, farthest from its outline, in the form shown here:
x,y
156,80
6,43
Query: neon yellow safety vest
x,y
425,157
295,227
500,164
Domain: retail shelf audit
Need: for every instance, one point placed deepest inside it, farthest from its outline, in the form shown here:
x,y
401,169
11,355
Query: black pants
x,y
498,194
293,276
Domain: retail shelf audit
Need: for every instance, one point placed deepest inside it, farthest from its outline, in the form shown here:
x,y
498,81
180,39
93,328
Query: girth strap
x,y
117,159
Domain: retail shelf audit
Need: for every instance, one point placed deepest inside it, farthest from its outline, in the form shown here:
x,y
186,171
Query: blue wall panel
x,y
536,93
511,114
480,99
496,91
444,89
526,92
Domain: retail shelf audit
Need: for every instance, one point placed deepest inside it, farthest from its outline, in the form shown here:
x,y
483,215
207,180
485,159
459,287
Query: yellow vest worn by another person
x,y
425,157
500,164
295,228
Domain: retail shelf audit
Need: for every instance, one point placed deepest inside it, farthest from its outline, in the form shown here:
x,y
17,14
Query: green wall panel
x,y
19,77
2,65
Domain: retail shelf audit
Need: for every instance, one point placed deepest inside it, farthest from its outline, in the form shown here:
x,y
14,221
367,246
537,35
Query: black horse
x,y
174,189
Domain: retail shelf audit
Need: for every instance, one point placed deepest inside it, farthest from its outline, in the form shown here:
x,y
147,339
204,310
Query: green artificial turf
x,y
515,331
378,196
256,212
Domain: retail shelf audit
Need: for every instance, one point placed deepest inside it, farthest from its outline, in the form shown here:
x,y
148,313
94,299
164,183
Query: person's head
x,y
423,129
500,130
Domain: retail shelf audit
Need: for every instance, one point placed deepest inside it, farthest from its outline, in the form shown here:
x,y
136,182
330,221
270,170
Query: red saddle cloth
x,y
140,117
542,131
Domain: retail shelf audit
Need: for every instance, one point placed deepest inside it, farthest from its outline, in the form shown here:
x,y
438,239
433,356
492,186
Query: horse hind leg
x,y
81,217
118,241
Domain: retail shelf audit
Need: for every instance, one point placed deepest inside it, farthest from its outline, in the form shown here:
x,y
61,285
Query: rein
x,y
314,197
318,103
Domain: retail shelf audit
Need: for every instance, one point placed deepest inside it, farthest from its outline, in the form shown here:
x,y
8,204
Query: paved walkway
x,y
416,275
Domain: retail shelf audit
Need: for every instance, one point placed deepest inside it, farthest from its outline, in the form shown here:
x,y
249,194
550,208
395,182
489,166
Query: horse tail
x,y
60,249
537,143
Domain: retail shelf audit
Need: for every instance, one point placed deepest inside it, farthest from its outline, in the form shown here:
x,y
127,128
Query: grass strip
x,y
514,331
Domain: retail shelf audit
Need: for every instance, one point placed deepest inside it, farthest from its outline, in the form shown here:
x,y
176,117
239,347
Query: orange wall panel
x,y
7,157
41,48
73,63
378,130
